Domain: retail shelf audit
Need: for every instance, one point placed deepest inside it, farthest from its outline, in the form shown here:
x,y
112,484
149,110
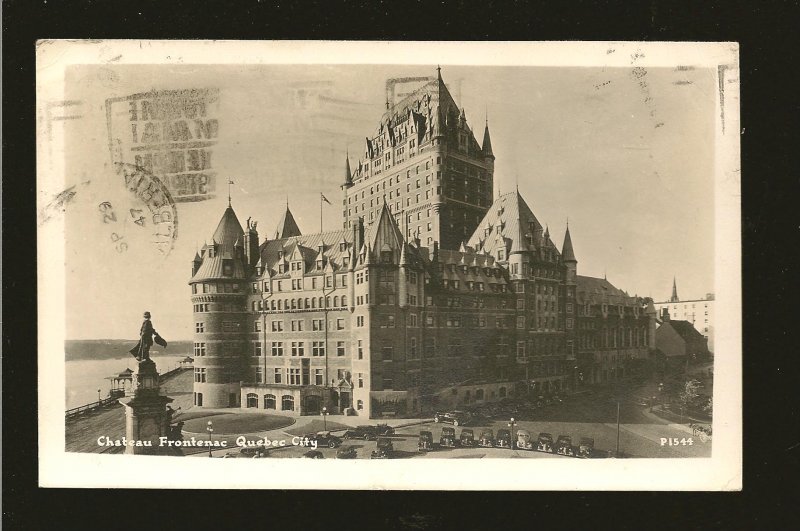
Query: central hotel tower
x,y
430,295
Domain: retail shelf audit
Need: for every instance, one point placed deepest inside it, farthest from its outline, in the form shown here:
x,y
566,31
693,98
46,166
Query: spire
x,y
674,297
566,250
439,72
487,142
287,227
348,175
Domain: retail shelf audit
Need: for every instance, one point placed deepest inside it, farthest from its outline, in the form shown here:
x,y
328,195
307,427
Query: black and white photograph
x,y
424,259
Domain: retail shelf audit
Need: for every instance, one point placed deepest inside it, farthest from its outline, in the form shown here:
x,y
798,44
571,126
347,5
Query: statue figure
x,y
146,336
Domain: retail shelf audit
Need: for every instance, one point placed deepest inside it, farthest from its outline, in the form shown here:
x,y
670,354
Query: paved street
x,y
591,414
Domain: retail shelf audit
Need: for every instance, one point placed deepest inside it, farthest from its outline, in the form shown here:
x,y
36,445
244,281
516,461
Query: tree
x,y
688,395
709,407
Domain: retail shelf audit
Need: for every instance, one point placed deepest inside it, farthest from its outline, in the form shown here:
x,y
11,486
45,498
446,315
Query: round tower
x,y
219,293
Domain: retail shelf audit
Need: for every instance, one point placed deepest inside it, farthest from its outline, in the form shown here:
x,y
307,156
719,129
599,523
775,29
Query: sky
x,y
626,155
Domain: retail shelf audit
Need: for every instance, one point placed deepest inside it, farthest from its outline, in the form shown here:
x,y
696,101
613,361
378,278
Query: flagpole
x,y
320,212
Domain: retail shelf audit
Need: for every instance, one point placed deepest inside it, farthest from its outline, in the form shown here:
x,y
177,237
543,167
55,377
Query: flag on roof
x,y
324,198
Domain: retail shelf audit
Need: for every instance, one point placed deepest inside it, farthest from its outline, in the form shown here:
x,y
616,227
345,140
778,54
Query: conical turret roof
x,y
287,226
229,229
487,143
348,175
566,250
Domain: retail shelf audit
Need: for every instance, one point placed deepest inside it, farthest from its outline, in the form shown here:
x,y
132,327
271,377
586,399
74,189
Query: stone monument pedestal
x,y
146,417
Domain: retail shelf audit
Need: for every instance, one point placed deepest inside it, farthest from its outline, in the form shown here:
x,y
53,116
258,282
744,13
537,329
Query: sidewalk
x,y
682,427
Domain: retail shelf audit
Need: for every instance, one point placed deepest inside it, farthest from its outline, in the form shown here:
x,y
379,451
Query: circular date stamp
x,y
150,215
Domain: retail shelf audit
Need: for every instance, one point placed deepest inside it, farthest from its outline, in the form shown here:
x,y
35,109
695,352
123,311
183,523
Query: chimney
x,y
251,244
665,314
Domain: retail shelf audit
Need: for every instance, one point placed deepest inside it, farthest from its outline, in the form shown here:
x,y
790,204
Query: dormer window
x,y
343,246
386,257
227,267
501,254
319,264
345,261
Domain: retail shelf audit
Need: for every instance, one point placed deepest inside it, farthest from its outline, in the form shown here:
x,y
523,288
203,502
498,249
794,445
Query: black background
x,y
768,57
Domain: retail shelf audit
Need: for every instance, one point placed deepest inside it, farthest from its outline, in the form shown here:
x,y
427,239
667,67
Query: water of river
x,y
85,377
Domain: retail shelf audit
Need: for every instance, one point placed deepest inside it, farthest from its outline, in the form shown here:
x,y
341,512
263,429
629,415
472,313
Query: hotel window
x,y
340,351
259,375
257,348
294,376
317,325
199,349
277,348
413,348
277,375
199,328
339,324
256,326
387,353
360,380
298,348
200,375
318,348
297,325
360,321
521,322
318,377
230,326
277,326
569,323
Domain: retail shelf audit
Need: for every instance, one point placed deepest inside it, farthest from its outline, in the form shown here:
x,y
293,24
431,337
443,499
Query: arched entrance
x,y
312,405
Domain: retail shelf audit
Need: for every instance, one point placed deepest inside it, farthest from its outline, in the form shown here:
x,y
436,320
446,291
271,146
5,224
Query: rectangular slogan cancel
x,y
170,134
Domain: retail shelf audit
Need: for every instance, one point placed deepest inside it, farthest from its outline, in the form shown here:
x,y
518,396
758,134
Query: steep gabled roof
x,y
510,221
287,226
685,329
384,231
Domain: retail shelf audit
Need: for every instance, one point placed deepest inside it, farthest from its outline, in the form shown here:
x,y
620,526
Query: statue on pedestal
x,y
147,334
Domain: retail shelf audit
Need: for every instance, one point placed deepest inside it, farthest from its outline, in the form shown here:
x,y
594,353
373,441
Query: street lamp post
x,y
511,425
210,430
98,397
325,418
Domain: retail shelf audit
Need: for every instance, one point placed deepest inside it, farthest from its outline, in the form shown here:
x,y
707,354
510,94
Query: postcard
x,y
389,265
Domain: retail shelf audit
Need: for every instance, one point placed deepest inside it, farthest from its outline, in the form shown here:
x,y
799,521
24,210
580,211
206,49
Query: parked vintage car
x,y
503,439
313,454
544,443
425,443
346,452
563,445
586,447
325,439
384,449
253,451
467,438
486,439
448,437
369,432
524,441
456,418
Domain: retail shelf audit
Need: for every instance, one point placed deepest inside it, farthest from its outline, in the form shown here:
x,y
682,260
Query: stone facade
x,y
432,294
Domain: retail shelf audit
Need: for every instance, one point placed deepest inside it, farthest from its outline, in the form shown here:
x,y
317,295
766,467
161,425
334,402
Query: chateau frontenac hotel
x,y
433,294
